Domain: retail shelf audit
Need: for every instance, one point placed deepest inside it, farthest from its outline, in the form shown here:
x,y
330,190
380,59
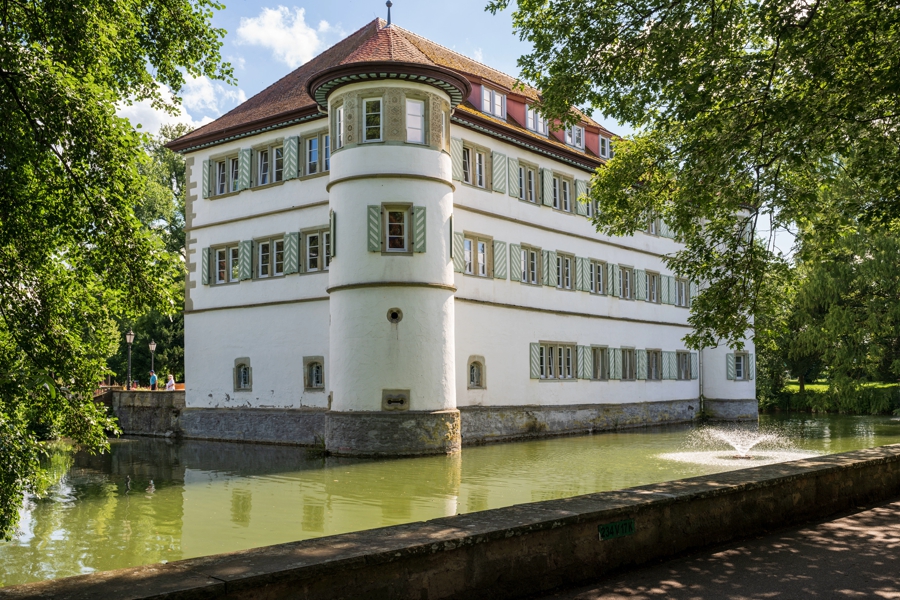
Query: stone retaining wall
x,y
164,413
516,551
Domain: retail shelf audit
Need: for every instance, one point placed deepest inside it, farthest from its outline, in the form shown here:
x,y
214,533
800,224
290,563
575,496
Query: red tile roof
x,y
288,99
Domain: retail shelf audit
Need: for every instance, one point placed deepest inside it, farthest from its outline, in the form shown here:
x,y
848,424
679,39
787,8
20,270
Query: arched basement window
x,y
314,373
243,375
476,379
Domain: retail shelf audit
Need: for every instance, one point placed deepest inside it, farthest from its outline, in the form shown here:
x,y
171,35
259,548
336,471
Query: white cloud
x,y
202,101
478,55
285,33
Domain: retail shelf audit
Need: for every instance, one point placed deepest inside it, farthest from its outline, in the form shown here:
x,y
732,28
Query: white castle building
x,y
389,252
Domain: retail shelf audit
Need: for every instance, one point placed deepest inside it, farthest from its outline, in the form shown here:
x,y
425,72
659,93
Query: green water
x,y
212,497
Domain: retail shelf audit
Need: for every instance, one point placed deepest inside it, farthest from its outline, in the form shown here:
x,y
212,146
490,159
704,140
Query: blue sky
x,y
267,40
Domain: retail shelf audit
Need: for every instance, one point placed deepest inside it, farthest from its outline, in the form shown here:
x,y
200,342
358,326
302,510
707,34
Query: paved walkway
x,y
854,556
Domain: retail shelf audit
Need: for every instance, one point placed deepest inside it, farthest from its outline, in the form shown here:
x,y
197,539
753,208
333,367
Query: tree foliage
x,y
743,109
73,254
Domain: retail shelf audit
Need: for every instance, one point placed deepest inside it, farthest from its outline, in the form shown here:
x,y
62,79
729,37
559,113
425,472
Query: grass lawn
x,y
822,386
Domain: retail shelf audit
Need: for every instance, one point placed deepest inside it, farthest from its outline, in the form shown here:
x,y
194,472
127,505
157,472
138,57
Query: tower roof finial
x,y
389,4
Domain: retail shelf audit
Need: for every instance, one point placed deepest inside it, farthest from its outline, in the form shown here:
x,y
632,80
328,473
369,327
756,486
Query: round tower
x,y
391,286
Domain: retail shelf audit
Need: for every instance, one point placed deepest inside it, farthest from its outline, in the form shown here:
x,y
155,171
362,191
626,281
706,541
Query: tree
x,y
161,211
73,255
744,110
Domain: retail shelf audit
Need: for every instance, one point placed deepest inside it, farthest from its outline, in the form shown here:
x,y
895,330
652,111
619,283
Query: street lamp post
x,y
152,354
129,337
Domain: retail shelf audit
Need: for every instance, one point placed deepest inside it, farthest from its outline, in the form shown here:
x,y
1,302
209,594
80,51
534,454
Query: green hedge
x,y
870,399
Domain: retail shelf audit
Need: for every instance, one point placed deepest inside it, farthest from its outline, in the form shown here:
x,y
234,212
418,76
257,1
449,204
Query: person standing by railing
x,y
152,381
170,384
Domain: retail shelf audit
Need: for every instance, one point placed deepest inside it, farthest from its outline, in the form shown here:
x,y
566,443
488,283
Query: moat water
x,y
153,500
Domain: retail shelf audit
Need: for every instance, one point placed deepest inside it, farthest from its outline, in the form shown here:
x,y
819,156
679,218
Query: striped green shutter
x,y
456,158
584,362
672,292
695,366
374,228
729,366
205,185
515,262
615,363
586,274
547,187
292,252
500,258
418,230
545,267
245,260
499,173
640,364
535,360
205,259
513,177
291,154
694,291
579,273
245,160
459,258
665,296
615,276
751,367
332,230
581,195
640,284
554,279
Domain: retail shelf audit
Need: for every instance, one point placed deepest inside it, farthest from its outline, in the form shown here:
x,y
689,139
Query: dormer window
x,y
605,147
534,121
493,103
575,136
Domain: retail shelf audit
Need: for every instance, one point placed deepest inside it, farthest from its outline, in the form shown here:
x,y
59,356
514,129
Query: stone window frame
x,y
227,159
323,142
272,240
599,363
536,273
308,361
475,238
243,361
622,287
324,233
386,207
657,352
473,360
214,267
269,146
560,267
474,150
631,362
551,354
598,284
651,276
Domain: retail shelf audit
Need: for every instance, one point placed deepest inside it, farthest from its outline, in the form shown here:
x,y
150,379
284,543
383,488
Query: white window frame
x,y
322,239
566,195
556,192
531,178
653,288
404,210
415,122
530,265
626,283
263,167
534,121
605,147
467,165
683,365
575,136
480,169
230,256
366,113
557,361
493,102
682,292
628,364
564,271
221,177
740,367
597,278
599,363
339,128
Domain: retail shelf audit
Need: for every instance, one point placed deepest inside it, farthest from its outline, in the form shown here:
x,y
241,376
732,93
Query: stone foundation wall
x,y
517,551
164,413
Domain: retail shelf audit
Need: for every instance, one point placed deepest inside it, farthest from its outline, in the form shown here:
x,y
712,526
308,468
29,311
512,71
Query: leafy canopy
x,y
73,255
744,109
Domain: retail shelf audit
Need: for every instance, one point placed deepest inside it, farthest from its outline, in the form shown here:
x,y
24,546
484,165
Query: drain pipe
x,y
700,377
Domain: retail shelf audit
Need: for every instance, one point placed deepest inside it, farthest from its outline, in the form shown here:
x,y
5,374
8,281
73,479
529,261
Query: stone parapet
x,y
402,433
517,551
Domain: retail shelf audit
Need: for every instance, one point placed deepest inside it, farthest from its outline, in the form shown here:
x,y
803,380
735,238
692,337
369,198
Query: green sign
x,y
611,531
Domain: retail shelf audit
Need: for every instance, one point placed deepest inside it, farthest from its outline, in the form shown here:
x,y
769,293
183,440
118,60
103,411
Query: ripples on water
x,y
212,497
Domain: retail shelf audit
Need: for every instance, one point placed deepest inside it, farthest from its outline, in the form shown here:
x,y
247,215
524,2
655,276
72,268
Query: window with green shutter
x,y
459,255
500,260
245,168
514,178
547,187
245,259
456,158
730,366
641,371
640,284
291,252
615,363
585,362
373,228
291,157
535,361
695,365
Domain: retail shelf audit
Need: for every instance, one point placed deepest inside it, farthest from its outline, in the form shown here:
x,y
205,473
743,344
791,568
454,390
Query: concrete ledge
x,y
484,424
390,433
516,551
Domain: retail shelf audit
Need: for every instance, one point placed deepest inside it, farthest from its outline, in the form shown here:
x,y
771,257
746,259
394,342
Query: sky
x,y
267,40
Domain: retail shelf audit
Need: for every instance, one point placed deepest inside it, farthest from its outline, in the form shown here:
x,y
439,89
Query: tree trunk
x,y
802,381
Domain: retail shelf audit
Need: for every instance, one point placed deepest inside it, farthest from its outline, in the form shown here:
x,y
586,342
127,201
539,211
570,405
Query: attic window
x,y
534,121
575,136
493,103
604,147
